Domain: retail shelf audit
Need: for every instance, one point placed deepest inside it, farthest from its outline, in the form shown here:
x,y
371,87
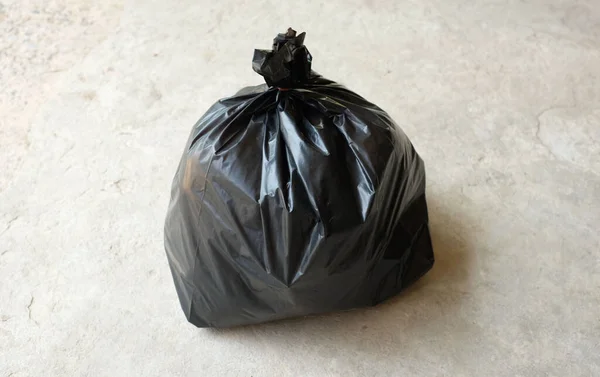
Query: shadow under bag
x,y
294,198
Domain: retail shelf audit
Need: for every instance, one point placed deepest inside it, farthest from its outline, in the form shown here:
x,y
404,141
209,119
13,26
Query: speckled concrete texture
x,y
501,99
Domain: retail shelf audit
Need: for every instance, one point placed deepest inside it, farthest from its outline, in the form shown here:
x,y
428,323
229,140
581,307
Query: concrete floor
x,y
501,99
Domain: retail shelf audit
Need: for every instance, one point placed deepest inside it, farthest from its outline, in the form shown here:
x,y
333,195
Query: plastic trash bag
x,y
294,198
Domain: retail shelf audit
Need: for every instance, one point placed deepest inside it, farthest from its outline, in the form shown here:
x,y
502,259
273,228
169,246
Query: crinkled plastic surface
x,y
293,199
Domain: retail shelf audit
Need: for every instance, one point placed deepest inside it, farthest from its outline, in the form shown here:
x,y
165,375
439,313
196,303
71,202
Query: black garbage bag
x,y
294,198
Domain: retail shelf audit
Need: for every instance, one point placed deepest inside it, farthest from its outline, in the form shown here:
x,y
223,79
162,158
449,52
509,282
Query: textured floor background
x,y
501,99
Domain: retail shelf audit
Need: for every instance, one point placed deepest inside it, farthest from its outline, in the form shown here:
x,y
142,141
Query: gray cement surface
x,y
501,99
